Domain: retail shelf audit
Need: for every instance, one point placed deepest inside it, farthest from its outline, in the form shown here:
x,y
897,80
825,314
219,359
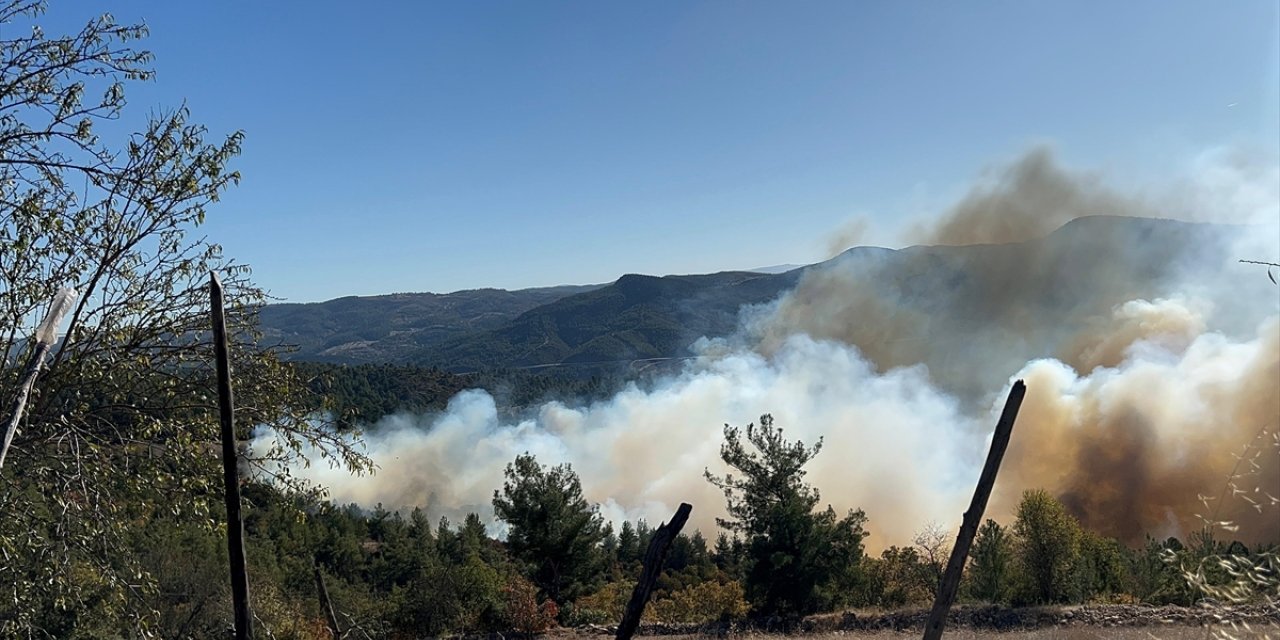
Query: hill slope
x,y
358,329
1013,301
635,317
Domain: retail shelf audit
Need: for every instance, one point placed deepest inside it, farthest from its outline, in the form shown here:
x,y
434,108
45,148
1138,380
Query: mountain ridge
x,y
643,317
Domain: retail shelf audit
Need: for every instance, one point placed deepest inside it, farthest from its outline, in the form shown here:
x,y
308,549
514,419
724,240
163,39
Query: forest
x,y
397,575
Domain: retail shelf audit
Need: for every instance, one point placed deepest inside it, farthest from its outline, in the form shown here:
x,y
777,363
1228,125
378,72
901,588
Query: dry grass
x,y
1061,633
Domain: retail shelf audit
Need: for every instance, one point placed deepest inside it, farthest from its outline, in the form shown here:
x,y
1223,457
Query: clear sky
x,y
433,146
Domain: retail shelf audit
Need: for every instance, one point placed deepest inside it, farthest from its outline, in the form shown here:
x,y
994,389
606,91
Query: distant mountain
x,y
634,318
387,328
1029,294
777,268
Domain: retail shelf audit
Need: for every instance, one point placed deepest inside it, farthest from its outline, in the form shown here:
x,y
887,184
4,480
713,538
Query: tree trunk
x,y
230,472
326,605
654,558
972,517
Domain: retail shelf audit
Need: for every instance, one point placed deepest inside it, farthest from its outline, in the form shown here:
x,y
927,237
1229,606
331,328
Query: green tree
x,y
1048,546
800,559
119,429
991,569
552,529
1102,569
628,544
898,577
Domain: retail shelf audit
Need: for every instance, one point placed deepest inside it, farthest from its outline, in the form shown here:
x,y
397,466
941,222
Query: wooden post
x,y
973,517
19,405
326,605
230,473
46,334
654,557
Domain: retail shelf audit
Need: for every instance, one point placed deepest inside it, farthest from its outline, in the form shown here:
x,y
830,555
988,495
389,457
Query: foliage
x,y
522,609
1049,547
610,600
800,560
991,569
361,394
393,575
1223,576
1101,570
1153,578
897,578
460,597
552,529
123,413
708,601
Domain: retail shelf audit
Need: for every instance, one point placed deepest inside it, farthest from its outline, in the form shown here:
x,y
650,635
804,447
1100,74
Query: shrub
x,y
706,602
521,610
610,600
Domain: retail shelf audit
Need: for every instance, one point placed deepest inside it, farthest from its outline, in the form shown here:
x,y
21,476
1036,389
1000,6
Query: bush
x,y
575,615
898,578
706,602
610,600
521,610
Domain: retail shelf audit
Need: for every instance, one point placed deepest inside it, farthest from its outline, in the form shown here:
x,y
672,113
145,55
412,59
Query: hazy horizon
x,y
438,147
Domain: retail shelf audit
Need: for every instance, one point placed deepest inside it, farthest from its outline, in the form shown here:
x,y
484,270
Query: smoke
x,y
1132,448
849,234
1152,361
642,452
1026,199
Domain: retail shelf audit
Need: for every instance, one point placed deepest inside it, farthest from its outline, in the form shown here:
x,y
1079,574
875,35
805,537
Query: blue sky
x,y
433,146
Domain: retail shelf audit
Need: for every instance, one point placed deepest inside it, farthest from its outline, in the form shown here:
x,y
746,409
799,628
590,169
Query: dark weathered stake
x,y
654,557
230,473
972,517
326,605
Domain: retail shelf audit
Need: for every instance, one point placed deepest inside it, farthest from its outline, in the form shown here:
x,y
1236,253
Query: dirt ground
x,y
1125,622
1062,633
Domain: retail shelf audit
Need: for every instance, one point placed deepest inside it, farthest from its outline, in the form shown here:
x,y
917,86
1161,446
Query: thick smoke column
x,y
1152,361
644,451
1146,446
1026,199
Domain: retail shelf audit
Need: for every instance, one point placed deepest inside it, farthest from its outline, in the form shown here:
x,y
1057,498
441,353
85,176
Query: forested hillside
x,y
361,394
384,328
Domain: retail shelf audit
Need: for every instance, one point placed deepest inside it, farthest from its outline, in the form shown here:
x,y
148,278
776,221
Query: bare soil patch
x,y
984,622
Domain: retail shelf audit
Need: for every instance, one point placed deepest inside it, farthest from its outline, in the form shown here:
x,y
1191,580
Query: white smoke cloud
x,y
1174,385
893,444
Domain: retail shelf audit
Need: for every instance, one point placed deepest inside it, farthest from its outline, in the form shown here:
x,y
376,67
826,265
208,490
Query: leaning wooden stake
x,y
230,473
654,557
46,335
972,517
326,605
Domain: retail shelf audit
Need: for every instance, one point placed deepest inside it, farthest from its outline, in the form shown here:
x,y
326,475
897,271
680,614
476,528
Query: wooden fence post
x,y
230,472
654,558
973,517
326,605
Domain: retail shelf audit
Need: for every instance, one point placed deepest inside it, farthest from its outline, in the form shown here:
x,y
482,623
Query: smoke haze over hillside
x,y
1152,361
